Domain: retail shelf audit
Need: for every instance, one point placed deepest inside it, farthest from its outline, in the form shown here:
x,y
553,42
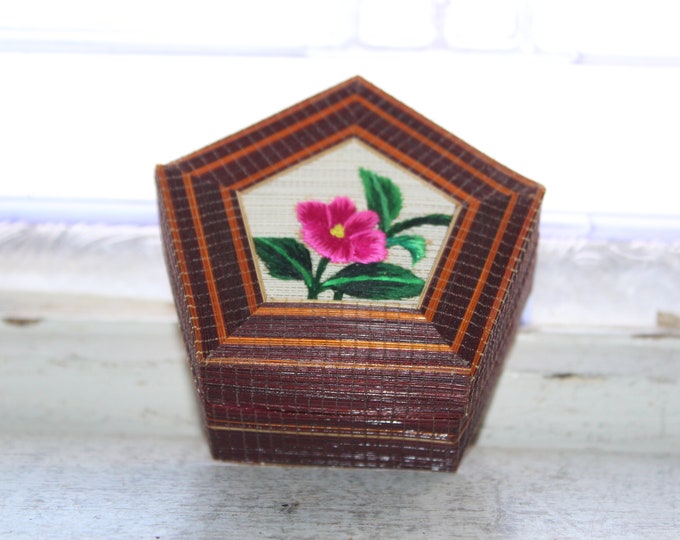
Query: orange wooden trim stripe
x,y
471,149
235,424
354,343
205,259
248,282
450,262
239,361
324,429
319,429
374,89
416,135
282,163
425,438
269,120
325,143
274,136
345,313
481,282
413,164
495,310
179,252
353,98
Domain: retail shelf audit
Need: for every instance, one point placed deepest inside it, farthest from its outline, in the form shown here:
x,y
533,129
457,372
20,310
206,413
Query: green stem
x,y
323,264
315,288
431,219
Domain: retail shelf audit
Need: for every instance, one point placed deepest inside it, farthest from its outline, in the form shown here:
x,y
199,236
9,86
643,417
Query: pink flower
x,y
340,233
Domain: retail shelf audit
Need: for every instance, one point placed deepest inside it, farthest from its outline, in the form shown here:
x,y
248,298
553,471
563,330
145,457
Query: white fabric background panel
x,y
269,209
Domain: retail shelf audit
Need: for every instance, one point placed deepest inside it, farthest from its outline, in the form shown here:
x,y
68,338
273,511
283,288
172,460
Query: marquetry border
x,y
214,268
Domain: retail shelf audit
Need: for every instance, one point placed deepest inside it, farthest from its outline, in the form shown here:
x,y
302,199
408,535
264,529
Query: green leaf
x,y
382,196
285,258
415,245
375,281
431,219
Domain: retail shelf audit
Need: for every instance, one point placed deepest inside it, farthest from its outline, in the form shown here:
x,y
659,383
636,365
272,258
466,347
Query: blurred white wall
x,y
580,96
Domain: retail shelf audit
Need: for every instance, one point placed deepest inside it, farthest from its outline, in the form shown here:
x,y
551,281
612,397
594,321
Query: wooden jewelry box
x,y
348,278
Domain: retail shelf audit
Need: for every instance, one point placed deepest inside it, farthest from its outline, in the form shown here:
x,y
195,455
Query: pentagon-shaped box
x,y
348,278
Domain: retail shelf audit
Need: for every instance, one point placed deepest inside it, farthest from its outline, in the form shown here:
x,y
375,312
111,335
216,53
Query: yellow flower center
x,y
338,231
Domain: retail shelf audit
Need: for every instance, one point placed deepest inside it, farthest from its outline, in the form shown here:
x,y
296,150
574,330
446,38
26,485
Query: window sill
x,y
115,487
101,433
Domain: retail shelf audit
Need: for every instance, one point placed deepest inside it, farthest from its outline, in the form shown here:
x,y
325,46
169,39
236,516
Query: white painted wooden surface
x,y
100,437
115,487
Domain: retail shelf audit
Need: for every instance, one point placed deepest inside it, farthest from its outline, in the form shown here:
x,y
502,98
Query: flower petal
x,y
361,222
313,214
369,247
342,251
341,209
